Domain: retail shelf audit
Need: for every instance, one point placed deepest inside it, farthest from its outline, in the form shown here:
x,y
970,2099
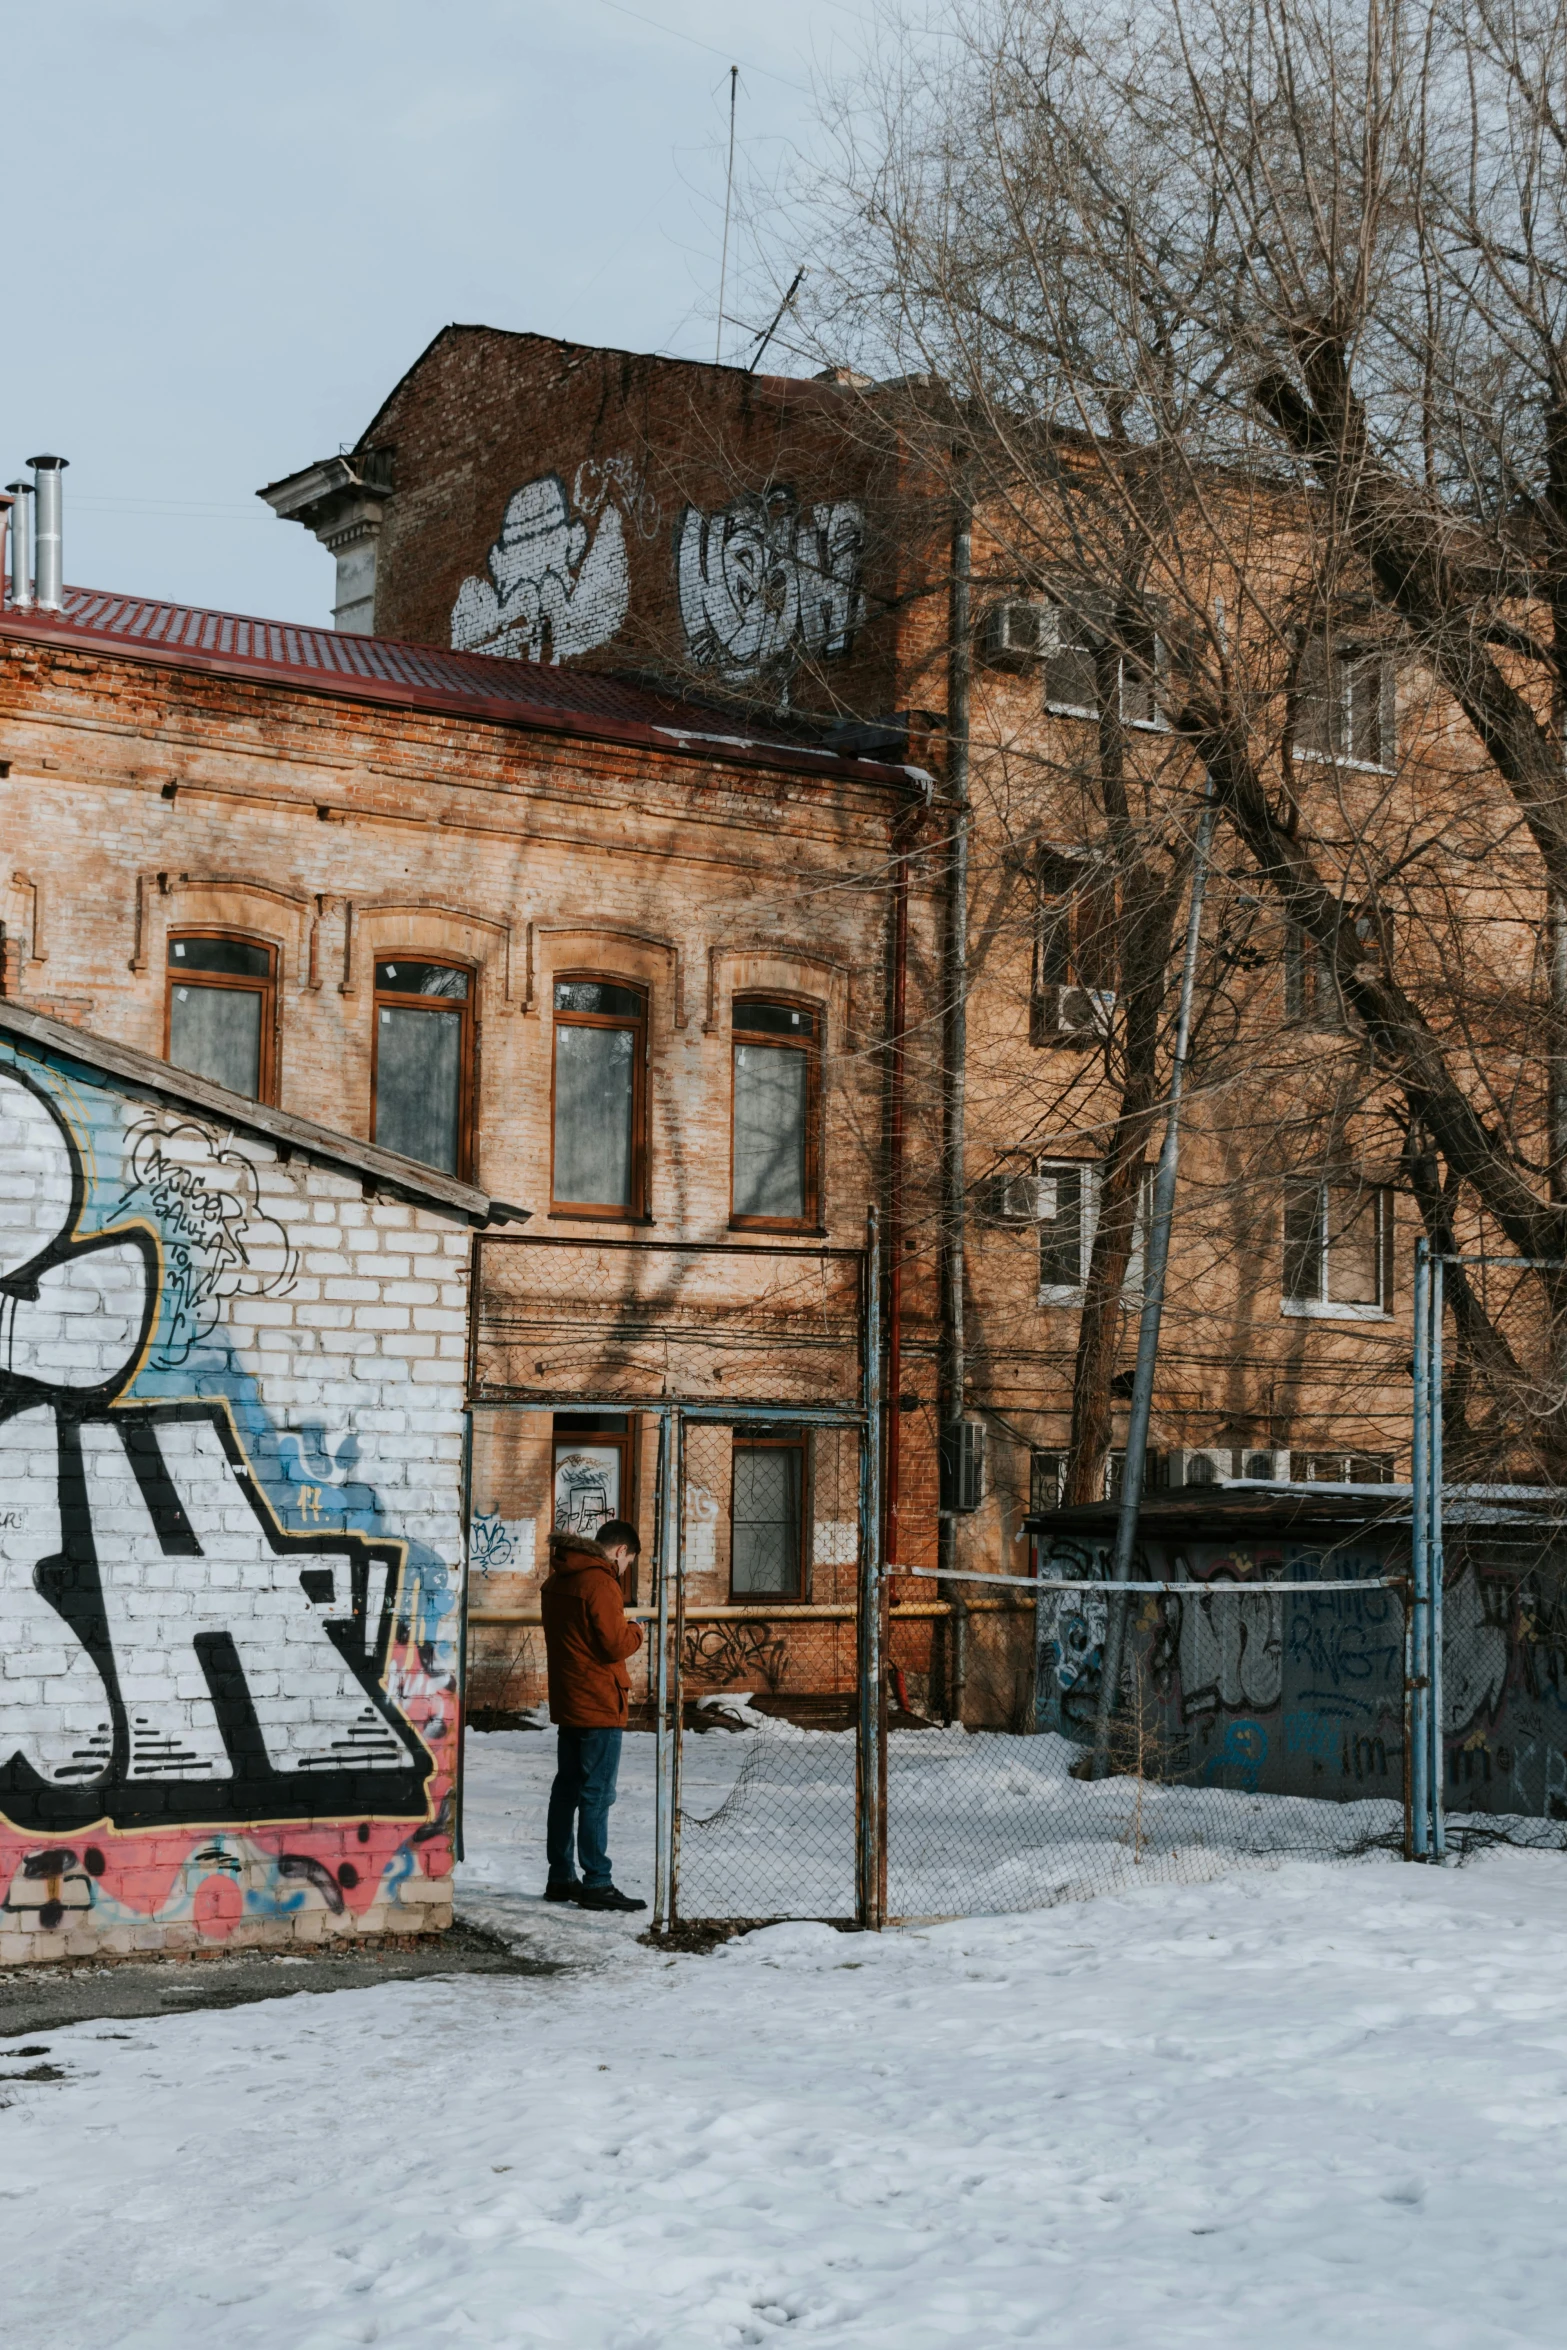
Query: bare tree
x,y
1249,320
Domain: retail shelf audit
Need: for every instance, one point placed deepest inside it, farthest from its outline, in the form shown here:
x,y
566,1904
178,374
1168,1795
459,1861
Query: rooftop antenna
x,y
729,190
765,337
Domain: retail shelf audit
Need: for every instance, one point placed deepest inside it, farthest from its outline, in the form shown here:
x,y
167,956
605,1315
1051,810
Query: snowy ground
x,y
1301,2106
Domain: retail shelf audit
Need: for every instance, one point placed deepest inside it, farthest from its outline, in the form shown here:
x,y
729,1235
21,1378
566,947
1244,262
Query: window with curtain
x,y
776,1065
222,1010
424,1062
767,1519
599,1125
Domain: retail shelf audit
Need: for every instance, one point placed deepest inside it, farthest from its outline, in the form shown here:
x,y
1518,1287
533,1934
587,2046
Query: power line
x,y
673,33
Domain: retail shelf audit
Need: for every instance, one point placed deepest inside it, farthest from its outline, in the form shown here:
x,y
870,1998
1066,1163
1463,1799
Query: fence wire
x,y
1250,1726
1504,1692
767,1825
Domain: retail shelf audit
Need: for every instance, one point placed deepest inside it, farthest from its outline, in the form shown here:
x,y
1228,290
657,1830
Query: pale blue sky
x,y
235,222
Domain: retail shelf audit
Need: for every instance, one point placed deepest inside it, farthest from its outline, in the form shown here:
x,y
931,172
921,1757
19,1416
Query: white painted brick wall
x,y
336,1332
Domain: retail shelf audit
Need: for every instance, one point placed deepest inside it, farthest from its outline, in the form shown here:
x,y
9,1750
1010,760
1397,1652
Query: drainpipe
x,y
902,845
954,1059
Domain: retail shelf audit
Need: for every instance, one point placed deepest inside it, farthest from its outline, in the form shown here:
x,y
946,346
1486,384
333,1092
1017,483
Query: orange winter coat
x,y
586,1636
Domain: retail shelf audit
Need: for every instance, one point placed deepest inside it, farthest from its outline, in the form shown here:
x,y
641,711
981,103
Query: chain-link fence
x,y
722,1397
1504,1682
1250,1724
766,1641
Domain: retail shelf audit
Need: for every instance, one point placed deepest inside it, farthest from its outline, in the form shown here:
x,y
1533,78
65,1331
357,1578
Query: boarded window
x,y
222,1007
598,1138
775,1113
767,1492
423,1061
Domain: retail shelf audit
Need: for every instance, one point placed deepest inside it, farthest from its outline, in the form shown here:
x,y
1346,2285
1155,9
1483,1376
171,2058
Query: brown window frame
x,y
270,989
813,1220
636,1210
776,1440
468,1055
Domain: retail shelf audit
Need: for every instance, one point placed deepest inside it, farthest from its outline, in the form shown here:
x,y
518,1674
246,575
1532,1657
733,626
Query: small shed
x,y
232,1391
1302,1693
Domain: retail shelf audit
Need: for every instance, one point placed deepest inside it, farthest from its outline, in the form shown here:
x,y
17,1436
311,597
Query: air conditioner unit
x,y
963,1466
1084,1013
1201,1465
1022,1197
1261,1467
1015,635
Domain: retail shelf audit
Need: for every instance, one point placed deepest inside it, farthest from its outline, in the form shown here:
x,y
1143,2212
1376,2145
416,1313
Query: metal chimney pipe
x,y
21,546
48,564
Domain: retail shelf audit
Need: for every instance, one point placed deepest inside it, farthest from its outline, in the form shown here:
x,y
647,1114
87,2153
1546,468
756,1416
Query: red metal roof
x,y
412,676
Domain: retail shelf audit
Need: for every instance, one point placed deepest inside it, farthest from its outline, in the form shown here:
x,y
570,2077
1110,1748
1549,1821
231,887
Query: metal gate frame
x,y
674,1414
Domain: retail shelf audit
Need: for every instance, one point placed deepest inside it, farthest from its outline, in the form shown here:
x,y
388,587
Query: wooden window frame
x,y
269,1052
468,1049
774,1440
813,1221
637,1210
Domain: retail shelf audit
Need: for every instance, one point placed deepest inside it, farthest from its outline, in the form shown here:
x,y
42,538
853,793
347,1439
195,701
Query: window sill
x,y
779,1230
594,1216
1342,759
1299,1309
1076,1298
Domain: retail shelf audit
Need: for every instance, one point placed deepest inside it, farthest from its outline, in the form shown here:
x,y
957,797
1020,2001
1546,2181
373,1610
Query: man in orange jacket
x,y
586,1643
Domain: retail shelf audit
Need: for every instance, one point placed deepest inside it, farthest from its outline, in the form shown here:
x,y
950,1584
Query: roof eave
x,y
378,1169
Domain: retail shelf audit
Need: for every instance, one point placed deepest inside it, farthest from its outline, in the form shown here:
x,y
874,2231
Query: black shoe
x,y
566,1891
604,1897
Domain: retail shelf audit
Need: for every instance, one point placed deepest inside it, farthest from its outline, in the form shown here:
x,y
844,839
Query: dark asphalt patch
x,y
48,1998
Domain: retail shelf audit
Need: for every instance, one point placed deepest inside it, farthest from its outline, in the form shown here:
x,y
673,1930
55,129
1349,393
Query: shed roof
x,y
391,670
1226,1513
379,1169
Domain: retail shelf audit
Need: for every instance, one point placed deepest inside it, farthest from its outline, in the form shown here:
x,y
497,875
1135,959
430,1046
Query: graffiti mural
x,y
1289,1692
229,1679
557,583
765,582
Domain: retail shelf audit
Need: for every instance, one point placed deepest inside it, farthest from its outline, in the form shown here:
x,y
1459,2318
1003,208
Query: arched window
x,y
221,1019
423,1068
776,1117
599,1160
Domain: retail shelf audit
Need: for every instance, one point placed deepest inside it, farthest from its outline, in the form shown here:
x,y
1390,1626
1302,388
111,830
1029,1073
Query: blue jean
x,y
587,1764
